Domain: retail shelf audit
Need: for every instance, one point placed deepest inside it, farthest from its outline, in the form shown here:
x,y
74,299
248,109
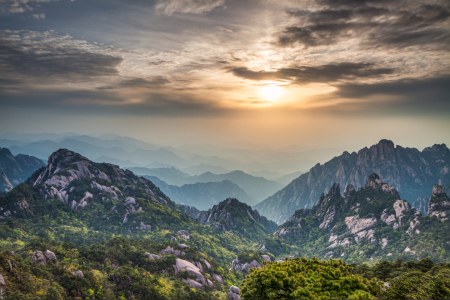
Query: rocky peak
x,y
64,154
438,189
335,190
349,190
439,204
374,181
437,148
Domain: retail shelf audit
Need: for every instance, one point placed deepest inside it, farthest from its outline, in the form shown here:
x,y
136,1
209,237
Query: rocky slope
x,y
371,223
232,215
16,169
410,171
203,195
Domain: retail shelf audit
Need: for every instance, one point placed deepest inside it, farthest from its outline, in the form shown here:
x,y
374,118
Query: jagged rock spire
x,y
335,190
374,181
439,204
349,189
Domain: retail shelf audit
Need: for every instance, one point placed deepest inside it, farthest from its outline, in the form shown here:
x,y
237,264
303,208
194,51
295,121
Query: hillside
x,y
370,224
234,216
74,199
203,195
16,169
256,187
408,170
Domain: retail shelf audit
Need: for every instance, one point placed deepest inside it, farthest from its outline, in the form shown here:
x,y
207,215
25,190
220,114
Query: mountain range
x,y
365,225
256,187
203,195
410,171
115,229
16,169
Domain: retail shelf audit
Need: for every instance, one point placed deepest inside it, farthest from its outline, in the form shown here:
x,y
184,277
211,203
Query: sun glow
x,y
271,92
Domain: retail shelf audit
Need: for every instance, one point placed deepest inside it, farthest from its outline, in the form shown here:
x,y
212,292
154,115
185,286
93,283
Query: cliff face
x,y
410,172
16,169
371,224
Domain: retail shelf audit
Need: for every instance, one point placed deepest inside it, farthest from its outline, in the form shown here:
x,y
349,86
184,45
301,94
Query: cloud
x,y
39,16
154,82
169,7
323,74
47,55
375,23
20,6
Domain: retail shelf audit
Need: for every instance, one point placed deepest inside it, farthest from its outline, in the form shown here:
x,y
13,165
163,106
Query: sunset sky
x,y
324,73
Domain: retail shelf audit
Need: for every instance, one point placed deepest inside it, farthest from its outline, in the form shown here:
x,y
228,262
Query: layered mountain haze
x,y
16,169
203,195
410,171
256,188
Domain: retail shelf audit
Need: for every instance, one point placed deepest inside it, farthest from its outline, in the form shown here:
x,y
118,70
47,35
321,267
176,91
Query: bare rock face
x,y
39,257
145,227
78,273
235,265
217,278
439,204
349,190
51,256
234,293
355,224
266,258
154,256
374,181
183,234
170,250
193,284
191,269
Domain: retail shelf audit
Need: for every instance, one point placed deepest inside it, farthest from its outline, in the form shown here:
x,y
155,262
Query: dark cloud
x,y
374,23
107,102
41,59
154,82
324,73
428,91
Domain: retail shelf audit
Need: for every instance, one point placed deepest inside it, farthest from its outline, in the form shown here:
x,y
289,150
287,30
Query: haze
x,y
238,74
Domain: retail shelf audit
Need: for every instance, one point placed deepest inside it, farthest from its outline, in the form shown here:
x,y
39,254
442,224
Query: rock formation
x,y
408,171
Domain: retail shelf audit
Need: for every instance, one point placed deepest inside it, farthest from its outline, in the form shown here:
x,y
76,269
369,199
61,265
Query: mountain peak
x,y
349,189
374,181
64,154
335,190
387,143
438,189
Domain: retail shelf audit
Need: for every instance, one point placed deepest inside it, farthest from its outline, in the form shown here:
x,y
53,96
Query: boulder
x,y
39,257
194,284
172,238
78,273
235,265
154,256
145,227
170,250
183,234
234,293
266,258
183,246
130,201
189,267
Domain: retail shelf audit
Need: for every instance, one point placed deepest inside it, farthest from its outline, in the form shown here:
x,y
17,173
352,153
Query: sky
x,y
272,73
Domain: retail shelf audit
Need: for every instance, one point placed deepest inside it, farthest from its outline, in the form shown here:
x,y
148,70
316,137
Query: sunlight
x,y
271,92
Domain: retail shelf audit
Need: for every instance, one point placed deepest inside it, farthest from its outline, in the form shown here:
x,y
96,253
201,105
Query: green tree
x,y
303,278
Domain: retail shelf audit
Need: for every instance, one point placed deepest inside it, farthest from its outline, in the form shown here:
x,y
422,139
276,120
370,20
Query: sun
x,y
271,92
